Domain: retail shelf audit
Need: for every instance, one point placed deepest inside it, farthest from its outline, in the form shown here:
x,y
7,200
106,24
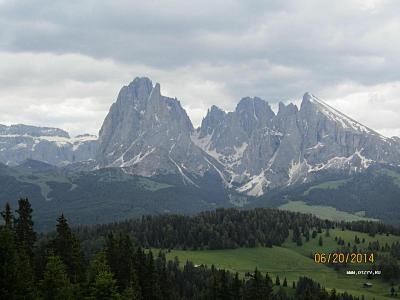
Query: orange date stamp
x,y
343,258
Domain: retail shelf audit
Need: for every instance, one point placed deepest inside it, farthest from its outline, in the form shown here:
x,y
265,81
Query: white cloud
x,y
376,106
63,63
74,92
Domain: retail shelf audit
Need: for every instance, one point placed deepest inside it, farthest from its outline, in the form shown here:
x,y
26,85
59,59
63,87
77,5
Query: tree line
x,y
224,229
56,268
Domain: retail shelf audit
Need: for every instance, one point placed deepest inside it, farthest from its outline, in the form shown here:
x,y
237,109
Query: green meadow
x,y
324,212
292,261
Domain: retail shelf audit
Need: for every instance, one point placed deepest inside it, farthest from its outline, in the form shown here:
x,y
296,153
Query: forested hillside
x,y
225,229
109,195
55,266
102,196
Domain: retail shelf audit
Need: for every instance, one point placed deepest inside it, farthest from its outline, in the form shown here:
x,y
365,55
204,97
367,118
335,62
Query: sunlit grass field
x,y
292,261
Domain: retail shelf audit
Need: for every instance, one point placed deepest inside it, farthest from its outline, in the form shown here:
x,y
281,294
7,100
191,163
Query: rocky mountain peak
x,y
251,149
211,121
135,94
141,86
254,112
307,102
314,106
148,133
254,107
285,110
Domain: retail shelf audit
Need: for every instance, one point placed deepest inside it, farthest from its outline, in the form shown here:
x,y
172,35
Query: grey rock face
x,y
260,150
149,134
251,149
51,145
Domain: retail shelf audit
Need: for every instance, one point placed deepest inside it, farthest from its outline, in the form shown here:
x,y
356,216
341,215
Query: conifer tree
x,y
7,216
163,279
104,286
307,235
314,234
25,287
284,282
101,280
8,263
259,287
149,277
296,233
25,234
119,252
277,281
55,283
327,233
68,248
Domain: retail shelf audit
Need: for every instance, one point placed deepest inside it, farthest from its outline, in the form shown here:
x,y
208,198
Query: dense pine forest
x,y
224,229
115,261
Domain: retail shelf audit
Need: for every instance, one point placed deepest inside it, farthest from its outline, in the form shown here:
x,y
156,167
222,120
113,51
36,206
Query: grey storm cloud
x,y
54,54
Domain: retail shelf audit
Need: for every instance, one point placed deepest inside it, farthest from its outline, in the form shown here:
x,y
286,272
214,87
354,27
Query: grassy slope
x,y
323,212
42,179
292,262
334,184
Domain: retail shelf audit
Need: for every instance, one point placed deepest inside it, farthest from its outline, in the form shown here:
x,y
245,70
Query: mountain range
x,y
244,153
51,145
250,149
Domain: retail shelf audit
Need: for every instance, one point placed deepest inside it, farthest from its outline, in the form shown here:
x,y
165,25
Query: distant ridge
x,y
249,150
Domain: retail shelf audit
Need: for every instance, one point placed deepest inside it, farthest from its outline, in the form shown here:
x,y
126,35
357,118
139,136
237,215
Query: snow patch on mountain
x,y
50,145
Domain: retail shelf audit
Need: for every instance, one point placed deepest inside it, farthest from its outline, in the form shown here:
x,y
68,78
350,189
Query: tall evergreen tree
x,y
25,287
149,288
314,234
68,248
25,234
297,235
103,286
119,253
8,264
16,273
259,288
163,279
327,233
55,283
7,216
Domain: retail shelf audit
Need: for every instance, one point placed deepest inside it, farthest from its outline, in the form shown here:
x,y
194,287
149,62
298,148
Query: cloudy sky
x,y
62,63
